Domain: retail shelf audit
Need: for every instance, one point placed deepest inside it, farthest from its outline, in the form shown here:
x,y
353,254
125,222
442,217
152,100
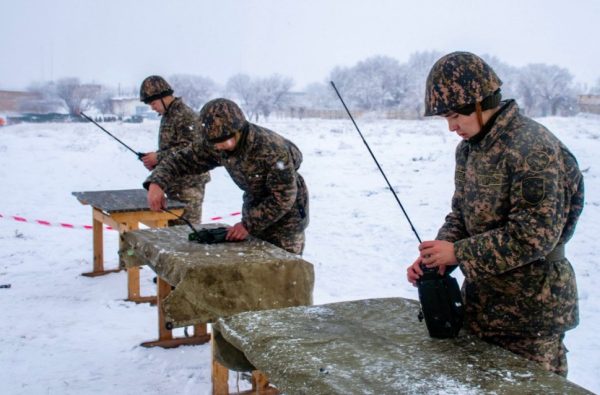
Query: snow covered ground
x,y
67,334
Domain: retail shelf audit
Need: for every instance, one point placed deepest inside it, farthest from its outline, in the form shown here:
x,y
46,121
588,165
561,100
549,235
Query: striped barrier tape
x,y
72,226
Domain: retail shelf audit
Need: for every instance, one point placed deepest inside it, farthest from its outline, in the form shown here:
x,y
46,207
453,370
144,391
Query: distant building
x,y
125,107
13,102
16,107
589,103
128,107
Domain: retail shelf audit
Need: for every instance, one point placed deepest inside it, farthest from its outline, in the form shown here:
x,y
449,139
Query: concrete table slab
x,y
217,280
376,346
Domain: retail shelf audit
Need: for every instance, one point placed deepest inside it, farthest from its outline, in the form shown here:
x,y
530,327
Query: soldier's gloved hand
x,y
156,198
237,232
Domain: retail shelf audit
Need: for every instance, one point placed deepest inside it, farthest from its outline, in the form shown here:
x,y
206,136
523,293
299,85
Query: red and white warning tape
x,y
47,223
234,214
72,226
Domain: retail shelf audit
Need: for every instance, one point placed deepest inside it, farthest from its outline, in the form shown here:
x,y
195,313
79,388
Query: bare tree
x,y
322,96
380,82
547,90
194,89
272,92
509,75
260,96
372,84
240,86
103,100
76,96
414,76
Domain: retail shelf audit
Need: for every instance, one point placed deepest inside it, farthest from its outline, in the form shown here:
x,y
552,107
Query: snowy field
x,y
67,334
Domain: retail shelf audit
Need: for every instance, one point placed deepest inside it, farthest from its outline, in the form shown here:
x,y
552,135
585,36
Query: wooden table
x,y
202,282
374,346
123,210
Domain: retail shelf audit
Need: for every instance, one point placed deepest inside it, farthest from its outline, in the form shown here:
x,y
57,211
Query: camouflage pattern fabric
x,y
193,198
291,241
548,351
265,166
518,195
221,118
179,127
154,87
457,80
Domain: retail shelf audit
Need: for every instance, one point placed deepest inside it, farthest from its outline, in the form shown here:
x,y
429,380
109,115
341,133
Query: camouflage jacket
x,y
264,165
179,127
518,194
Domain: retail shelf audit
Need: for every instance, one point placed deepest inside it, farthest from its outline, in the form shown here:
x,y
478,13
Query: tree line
x,y
378,83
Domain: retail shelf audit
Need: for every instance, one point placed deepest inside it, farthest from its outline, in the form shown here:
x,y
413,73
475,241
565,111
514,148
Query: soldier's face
x,y
466,126
157,105
227,145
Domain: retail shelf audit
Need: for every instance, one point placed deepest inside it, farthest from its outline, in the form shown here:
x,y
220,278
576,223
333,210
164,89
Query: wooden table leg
x,y
219,375
133,287
165,336
98,245
97,229
133,273
163,290
260,382
220,379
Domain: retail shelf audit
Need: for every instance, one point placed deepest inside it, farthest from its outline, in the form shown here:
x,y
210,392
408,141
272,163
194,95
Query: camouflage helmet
x,y
221,119
154,87
458,80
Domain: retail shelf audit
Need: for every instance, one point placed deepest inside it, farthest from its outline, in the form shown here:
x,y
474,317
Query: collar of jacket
x,y
495,126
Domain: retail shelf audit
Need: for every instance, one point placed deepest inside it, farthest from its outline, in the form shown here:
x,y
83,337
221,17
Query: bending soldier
x,y
261,162
179,126
518,196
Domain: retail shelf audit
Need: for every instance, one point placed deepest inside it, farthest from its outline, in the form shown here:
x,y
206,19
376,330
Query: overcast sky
x,y
123,41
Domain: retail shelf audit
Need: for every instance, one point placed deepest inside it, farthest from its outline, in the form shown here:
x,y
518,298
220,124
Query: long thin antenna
x,y
138,154
181,218
376,162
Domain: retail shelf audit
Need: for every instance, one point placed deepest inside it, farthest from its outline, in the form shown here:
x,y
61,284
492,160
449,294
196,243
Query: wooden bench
x,y
123,210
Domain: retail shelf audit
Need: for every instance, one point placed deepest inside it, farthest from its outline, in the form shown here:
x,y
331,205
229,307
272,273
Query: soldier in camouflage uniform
x,y
261,162
179,126
518,196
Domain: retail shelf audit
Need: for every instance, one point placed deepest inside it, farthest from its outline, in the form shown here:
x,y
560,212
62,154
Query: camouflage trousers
x,y
548,351
290,241
192,197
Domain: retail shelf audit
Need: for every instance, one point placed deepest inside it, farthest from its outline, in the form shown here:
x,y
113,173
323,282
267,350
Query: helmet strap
x,y
165,106
479,114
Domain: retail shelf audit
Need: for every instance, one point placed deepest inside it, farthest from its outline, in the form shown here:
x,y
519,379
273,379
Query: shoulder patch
x,y
537,161
533,190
